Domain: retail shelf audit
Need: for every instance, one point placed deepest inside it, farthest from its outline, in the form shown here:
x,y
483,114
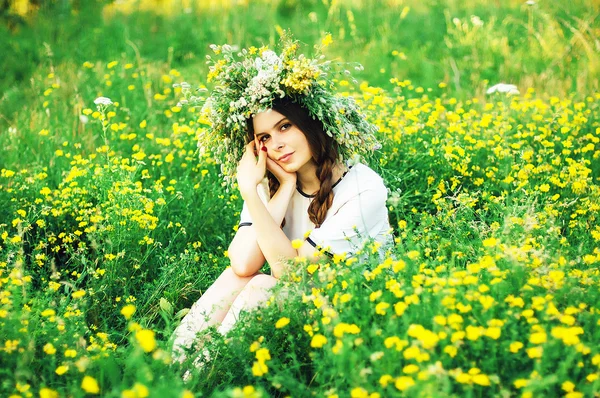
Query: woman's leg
x,y
209,310
255,293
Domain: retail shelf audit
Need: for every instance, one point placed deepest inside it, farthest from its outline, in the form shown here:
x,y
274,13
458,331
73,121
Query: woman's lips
x,y
285,158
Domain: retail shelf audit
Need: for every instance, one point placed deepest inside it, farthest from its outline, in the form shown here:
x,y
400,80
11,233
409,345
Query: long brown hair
x,y
325,153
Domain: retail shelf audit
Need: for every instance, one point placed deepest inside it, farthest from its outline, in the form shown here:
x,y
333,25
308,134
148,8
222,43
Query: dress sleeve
x,y
263,193
363,216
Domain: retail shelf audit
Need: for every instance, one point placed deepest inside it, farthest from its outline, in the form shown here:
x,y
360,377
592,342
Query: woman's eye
x,y
286,126
263,138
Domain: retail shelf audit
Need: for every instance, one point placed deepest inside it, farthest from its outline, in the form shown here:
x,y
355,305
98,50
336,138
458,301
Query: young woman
x,y
310,194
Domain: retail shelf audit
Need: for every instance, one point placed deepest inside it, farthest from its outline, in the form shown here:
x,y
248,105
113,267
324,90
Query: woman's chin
x,y
287,167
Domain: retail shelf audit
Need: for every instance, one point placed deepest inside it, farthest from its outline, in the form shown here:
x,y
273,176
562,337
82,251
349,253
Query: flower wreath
x,y
249,84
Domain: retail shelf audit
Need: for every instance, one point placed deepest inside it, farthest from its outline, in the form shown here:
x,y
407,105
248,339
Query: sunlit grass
x,y
112,225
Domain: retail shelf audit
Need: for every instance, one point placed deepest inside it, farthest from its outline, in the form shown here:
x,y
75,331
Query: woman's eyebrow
x,y
274,126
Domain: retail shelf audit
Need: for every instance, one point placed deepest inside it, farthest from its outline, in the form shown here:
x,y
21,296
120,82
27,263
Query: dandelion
x,y
515,346
568,386
90,385
410,369
311,269
481,379
404,382
259,368
318,341
297,244
520,383
187,394
490,242
537,338
327,40
282,322
49,349
70,353
263,355
146,339
48,312
385,380
359,392
138,391
48,393
535,352
451,350
128,310
381,308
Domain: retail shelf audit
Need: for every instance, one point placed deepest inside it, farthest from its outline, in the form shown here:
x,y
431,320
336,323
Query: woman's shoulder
x,y
358,179
366,176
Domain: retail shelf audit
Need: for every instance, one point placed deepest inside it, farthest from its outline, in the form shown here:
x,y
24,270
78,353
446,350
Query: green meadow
x,y
112,225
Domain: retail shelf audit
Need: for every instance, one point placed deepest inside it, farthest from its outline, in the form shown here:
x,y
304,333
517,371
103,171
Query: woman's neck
x,y
308,181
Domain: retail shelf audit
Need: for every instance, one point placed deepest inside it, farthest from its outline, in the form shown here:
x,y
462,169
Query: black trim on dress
x,y
309,240
244,224
333,186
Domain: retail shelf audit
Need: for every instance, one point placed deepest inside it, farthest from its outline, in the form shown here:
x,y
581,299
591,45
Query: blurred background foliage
x,y
547,45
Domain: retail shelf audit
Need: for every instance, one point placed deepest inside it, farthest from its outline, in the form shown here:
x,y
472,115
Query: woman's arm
x,y
270,239
244,252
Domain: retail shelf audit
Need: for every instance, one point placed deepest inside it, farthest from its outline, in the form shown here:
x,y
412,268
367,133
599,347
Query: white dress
x,y
358,212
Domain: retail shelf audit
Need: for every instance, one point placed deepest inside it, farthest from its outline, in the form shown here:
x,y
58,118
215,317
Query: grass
x,y
111,224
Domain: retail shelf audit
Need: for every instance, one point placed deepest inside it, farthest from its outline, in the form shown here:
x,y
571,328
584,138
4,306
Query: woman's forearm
x,y
244,251
273,243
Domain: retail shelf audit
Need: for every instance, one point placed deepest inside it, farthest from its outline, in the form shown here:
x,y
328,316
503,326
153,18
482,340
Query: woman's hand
x,y
250,171
282,176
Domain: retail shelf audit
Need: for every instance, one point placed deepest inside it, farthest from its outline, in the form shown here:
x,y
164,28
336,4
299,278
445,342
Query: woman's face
x,y
286,144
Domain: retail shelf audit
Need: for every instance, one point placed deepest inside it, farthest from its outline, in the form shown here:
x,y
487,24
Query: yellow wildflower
x,y
146,339
404,382
318,341
90,385
128,310
282,322
48,393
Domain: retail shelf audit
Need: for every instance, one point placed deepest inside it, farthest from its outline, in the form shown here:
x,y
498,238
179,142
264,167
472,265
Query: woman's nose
x,y
277,144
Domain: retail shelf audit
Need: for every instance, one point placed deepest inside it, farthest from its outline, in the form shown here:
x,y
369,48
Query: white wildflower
x,y
103,101
509,89
83,119
476,21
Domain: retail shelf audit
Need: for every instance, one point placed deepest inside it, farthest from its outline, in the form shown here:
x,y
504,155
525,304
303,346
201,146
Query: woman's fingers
x,y
262,155
273,167
250,151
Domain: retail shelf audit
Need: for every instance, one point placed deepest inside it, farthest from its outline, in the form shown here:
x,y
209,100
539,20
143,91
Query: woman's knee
x,y
230,276
261,281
